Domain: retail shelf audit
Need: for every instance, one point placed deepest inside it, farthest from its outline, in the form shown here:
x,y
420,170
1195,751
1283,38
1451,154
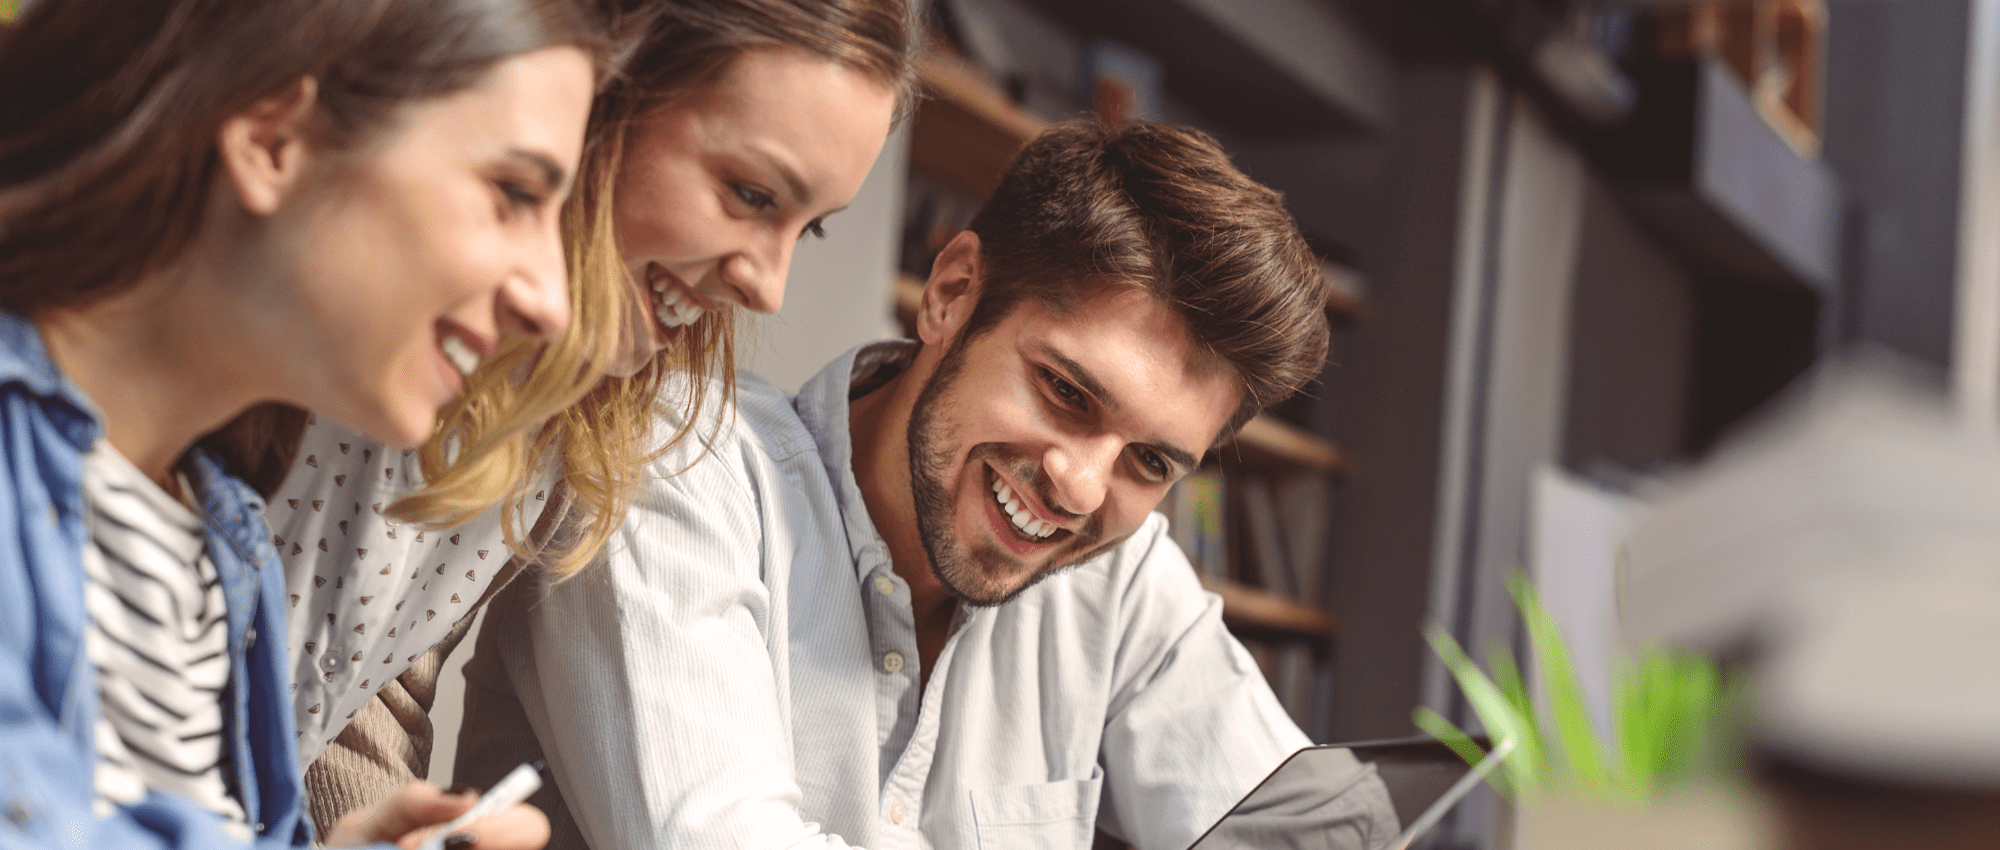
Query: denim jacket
x,y
48,687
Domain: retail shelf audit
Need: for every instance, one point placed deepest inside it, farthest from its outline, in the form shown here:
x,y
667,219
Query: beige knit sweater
x,y
388,743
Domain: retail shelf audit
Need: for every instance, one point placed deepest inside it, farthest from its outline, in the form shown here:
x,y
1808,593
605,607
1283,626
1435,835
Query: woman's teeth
x,y
1018,514
673,307
461,355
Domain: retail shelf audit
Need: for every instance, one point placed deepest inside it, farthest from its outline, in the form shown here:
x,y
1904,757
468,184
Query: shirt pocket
x,y
1052,814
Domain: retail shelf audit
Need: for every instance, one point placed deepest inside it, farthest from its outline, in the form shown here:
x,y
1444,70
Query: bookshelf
x,y
1251,611
966,131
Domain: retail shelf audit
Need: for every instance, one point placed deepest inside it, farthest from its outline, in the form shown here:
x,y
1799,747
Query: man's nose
x,y
1080,473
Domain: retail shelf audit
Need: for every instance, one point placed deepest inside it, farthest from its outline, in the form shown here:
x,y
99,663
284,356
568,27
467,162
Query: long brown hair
x,y
598,430
109,110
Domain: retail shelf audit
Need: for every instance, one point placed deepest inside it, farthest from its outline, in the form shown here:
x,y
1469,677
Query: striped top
x,y
157,640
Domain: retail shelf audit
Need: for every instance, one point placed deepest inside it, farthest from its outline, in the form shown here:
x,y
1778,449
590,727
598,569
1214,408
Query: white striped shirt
x,y
157,639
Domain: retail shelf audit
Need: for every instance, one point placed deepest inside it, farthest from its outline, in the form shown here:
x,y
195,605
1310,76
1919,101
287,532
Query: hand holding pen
x,y
423,817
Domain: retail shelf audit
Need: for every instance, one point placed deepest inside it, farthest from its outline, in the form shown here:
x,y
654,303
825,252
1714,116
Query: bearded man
x,y
926,603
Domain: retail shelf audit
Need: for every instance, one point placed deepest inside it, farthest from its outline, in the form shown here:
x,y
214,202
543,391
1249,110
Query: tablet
x,y
1290,809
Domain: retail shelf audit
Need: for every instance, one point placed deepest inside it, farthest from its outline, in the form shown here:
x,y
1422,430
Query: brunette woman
x,y
733,130
205,205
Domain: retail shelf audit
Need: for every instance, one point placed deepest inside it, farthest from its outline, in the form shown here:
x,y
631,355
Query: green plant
x,y
1664,703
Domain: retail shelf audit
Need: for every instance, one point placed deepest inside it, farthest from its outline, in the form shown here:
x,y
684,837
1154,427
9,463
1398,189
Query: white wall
x,y
1976,342
839,292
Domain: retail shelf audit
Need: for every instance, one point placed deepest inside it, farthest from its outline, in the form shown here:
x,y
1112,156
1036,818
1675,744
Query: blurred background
x,y
1571,243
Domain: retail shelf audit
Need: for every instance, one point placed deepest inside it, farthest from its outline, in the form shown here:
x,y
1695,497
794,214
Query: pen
x,y
518,785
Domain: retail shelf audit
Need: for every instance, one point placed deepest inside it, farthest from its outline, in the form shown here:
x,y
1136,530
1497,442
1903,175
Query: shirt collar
x,y
24,360
823,405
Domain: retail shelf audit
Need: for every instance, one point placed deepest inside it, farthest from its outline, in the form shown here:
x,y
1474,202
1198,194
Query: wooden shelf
x,y
1279,446
1265,442
965,132
1270,69
1344,288
1247,609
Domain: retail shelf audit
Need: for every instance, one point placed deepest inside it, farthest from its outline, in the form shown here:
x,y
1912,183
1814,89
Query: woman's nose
x,y
534,301
759,282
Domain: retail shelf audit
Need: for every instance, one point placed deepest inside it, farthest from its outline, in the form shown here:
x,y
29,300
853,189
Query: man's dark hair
x,y
1086,208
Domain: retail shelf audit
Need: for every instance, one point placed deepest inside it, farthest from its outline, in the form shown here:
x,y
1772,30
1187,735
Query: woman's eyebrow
x,y
554,175
801,193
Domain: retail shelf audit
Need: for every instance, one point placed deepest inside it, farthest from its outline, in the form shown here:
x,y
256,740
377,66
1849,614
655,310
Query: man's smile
x,y
1015,523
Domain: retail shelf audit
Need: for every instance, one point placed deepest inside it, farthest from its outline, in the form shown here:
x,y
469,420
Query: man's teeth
x,y
462,357
1019,514
673,307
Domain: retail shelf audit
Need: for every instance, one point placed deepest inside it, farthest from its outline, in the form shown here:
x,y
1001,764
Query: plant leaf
x,y
1448,733
1582,751
1493,708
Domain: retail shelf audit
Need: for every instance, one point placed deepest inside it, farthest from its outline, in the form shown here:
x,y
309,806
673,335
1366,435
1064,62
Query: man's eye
x,y
1063,390
1154,463
753,197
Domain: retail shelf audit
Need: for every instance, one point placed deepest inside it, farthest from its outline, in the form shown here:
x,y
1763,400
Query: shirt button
x,y
883,584
330,662
250,640
260,828
897,813
892,662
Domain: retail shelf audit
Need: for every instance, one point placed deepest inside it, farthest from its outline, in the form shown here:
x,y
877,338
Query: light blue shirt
x,y
740,670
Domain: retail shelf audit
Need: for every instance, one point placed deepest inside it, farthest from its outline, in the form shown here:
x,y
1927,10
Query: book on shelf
x,y
1303,503
932,215
1265,561
1292,669
1195,513
1118,84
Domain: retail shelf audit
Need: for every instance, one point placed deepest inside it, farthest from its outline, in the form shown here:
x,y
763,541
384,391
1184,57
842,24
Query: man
x,y
926,603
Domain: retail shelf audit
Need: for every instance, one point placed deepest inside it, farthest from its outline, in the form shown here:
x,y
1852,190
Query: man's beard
x,y
968,572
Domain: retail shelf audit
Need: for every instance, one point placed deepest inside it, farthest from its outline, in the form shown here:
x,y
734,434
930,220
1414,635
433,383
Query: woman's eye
x,y
518,197
753,197
816,230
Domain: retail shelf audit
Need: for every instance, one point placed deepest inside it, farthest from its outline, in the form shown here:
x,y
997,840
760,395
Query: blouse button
x,y
330,662
897,813
892,662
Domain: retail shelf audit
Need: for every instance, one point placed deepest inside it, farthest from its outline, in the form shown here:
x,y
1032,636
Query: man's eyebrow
x,y
554,174
1077,374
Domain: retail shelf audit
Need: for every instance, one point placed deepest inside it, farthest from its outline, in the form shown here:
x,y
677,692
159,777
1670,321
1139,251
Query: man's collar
x,y
823,405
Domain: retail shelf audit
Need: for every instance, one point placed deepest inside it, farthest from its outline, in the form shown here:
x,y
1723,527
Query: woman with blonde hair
x,y
206,205
730,130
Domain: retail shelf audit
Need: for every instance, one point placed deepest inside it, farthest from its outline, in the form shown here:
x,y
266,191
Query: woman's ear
x,y
263,148
952,291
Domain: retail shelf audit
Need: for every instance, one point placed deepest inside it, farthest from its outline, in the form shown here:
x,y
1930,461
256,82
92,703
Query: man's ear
x,y
952,291
263,148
